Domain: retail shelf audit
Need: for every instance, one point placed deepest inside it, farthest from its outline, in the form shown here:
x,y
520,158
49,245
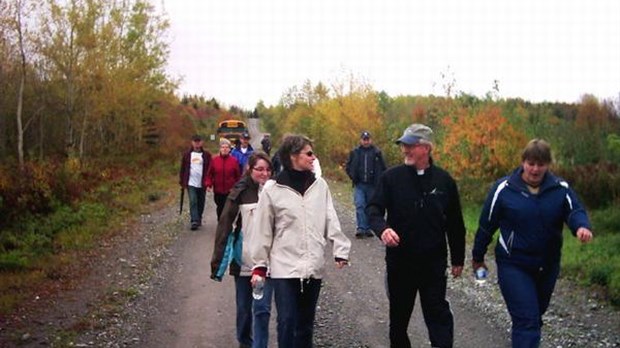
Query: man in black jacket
x,y
364,166
423,210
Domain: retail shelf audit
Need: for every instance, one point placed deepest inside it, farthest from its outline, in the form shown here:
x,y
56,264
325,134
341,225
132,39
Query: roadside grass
x,y
45,247
595,265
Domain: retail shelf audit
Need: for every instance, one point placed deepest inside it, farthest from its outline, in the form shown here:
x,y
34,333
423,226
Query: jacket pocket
x,y
507,243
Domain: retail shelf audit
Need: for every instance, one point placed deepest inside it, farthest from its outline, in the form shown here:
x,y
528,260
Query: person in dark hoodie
x,y
529,207
364,167
194,166
252,315
423,218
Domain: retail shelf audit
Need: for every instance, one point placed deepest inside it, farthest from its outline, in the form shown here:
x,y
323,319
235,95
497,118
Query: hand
x,y
475,265
255,278
209,189
341,264
390,238
457,271
584,235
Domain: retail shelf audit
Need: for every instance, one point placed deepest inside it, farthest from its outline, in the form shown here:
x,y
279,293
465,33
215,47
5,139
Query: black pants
x,y
405,280
220,200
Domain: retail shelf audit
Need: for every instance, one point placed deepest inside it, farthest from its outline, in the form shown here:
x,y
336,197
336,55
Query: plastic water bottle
x,y
258,289
480,275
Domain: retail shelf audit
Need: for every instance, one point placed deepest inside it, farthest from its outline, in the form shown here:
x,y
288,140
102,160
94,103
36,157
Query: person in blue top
x,y
529,207
242,151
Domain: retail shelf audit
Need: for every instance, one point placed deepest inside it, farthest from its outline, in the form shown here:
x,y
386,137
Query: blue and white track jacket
x,y
530,224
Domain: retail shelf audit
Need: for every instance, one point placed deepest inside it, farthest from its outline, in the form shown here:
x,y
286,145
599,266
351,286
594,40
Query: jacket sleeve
x,y
261,230
488,222
456,227
382,165
376,207
224,228
341,244
209,178
349,167
575,216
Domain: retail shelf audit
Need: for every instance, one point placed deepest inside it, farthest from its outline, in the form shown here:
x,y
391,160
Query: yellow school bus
x,y
231,129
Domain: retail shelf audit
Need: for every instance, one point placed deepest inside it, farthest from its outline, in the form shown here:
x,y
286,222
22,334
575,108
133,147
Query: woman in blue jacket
x,y
529,207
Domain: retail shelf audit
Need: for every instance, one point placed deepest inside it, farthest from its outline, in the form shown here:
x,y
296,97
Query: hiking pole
x,y
181,203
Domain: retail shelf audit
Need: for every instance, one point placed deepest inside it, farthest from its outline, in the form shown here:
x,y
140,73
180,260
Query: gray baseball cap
x,y
416,133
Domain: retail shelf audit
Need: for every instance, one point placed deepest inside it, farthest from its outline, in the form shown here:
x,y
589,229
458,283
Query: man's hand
x,y
390,238
457,271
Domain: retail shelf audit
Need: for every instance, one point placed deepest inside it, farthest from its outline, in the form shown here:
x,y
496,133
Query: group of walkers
x,y
273,229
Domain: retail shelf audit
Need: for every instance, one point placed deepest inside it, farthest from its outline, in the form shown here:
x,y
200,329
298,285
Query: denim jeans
x,y
296,301
252,315
361,195
196,203
527,292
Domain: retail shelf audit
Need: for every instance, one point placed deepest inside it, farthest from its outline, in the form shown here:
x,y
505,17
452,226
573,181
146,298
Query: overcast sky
x,y
243,51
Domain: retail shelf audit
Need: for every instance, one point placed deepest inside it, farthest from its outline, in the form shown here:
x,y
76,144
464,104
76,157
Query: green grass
x,y
36,247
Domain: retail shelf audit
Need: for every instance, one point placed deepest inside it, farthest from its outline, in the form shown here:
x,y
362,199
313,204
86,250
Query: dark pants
x,y
196,203
220,200
252,315
527,292
405,280
296,305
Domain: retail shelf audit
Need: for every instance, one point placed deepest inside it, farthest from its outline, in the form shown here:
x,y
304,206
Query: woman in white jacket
x,y
294,219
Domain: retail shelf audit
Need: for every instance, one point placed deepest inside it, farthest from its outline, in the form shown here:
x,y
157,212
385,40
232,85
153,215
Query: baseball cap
x,y
416,133
245,135
365,135
196,137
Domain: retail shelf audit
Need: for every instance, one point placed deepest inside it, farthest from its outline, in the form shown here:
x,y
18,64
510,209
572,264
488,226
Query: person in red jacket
x,y
222,175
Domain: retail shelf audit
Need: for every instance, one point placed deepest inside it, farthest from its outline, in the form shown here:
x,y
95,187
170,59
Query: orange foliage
x,y
480,146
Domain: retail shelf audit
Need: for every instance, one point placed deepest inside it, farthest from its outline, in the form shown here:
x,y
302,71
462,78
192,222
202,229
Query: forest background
x,y
91,130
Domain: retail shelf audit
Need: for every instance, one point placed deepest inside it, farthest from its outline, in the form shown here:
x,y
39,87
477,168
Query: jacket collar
x,y
549,181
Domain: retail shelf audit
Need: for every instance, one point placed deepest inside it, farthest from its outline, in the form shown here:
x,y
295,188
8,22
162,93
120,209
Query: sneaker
x,y
370,233
194,226
359,234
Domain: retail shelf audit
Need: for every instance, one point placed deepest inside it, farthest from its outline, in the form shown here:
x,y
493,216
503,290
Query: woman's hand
x,y
584,235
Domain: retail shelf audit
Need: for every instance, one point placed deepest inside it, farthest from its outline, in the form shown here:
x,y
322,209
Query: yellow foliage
x,y
482,145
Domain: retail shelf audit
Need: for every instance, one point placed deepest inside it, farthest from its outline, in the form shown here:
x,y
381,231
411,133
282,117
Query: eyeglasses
x,y
260,169
309,153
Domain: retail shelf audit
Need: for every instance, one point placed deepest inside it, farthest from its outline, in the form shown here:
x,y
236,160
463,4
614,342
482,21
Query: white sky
x,y
243,51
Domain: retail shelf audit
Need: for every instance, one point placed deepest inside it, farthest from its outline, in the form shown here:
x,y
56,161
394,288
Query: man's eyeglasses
x,y
260,169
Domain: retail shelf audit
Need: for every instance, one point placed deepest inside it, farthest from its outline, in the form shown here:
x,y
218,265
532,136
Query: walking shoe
x,y
359,234
194,226
370,233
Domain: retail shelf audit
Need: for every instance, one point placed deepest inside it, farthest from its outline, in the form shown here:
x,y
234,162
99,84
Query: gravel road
x,y
150,287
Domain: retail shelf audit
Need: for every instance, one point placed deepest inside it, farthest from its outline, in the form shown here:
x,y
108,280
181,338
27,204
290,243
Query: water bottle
x,y
258,289
480,275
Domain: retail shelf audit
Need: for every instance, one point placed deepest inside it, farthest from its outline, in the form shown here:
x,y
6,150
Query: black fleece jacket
x,y
424,210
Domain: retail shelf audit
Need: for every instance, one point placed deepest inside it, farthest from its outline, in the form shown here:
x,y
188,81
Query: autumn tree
x,y
480,144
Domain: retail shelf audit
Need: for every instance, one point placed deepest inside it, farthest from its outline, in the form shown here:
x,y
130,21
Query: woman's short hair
x,y
537,150
225,141
254,158
292,145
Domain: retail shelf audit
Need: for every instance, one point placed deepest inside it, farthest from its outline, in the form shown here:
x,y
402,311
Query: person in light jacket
x,y
252,315
294,219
